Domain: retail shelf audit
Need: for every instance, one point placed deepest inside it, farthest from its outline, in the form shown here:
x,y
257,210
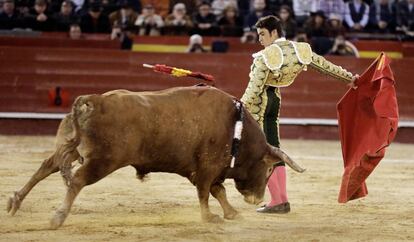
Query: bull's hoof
x,y
233,215
57,220
213,218
13,204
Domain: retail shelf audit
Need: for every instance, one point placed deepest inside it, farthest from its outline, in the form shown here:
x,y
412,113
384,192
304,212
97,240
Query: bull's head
x,y
251,177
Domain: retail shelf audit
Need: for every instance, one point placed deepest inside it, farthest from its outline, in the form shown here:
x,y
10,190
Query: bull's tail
x,y
238,128
67,152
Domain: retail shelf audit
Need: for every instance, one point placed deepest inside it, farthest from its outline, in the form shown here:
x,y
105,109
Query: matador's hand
x,y
352,83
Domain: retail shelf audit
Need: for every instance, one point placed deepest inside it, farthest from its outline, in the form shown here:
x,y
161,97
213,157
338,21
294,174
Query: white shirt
x,y
303,7
357,5
78,4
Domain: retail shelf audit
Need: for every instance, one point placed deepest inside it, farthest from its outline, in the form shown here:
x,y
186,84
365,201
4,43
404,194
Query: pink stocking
x,y
281,178
273,186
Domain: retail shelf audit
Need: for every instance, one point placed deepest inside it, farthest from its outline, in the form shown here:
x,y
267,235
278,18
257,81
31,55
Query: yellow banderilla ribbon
x,y
180,72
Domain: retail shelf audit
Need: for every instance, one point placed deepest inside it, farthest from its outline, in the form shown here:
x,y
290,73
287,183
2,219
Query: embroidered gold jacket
x,y
278,65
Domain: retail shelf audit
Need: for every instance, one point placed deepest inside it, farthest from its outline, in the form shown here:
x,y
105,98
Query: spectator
x,y
302,10
38,19
368,2
205,22
94,21
249,37
356,15
110,6
23,6
259,10
231,23
301,36
53,6
316,30
336,7
196,44
161,7
123,33
218,6
190,5
405,15
335,26
381,17
243,6
134,4
78,6
316,25
274,6
148,22
178,22
75,31
125,16
343,47
65,17
9,18
288,23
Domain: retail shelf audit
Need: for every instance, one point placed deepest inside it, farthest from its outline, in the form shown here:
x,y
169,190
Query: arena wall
x,y
28,76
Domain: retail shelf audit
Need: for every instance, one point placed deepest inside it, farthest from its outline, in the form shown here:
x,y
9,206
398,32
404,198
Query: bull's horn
x,y
278,154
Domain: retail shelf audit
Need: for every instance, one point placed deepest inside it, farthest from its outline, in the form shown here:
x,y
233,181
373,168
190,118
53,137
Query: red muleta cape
x,y
368,121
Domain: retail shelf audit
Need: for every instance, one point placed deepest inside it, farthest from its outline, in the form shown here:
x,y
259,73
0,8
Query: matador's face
x,y
266,38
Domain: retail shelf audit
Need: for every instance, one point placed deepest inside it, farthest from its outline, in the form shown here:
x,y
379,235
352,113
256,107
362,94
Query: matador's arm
x,y
326,67
252,97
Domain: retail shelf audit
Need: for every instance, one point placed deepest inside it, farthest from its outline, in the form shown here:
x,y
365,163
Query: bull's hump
x,y
117,92
194,94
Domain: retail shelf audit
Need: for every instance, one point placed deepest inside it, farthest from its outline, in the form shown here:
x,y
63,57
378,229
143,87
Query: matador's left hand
x,y
352,83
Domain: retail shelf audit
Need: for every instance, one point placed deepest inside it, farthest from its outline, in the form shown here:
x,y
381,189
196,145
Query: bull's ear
x,y
271,160
235,173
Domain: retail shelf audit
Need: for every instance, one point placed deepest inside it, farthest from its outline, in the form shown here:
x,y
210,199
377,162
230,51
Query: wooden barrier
x,y
235,46
28,73
102,41
52,42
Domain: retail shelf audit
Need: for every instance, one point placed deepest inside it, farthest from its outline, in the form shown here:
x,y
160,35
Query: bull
x,y
186,130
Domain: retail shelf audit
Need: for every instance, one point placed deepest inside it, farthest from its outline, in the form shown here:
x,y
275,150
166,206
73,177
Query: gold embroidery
x,y
326,67
273,56
304,52
278,65
253,97
290,68
262,107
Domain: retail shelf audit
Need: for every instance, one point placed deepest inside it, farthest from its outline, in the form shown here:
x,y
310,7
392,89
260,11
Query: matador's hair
x,y
270,23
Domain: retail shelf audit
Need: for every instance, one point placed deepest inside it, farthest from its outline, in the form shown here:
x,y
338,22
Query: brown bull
x,y
187,131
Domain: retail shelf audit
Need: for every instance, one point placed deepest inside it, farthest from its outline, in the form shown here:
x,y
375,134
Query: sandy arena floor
x,y
165,208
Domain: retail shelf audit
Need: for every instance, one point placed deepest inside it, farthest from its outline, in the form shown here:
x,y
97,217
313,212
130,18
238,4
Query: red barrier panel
x,y
378,45
28,73
52,42
408,49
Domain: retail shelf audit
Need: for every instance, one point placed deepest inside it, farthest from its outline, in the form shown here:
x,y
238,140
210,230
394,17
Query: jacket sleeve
x,y
326,67
307,57
252,97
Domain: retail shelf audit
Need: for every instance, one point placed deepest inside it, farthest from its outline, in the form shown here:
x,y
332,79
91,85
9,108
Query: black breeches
x,y
271,119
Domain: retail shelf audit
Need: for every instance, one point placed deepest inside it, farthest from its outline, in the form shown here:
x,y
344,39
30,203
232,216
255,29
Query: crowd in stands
x,y
302,19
